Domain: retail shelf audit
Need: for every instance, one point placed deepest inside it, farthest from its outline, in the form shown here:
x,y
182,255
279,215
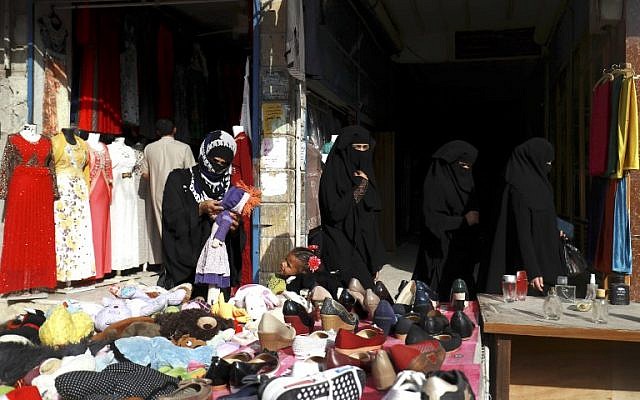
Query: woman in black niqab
x,y
527,237
449,236
349,204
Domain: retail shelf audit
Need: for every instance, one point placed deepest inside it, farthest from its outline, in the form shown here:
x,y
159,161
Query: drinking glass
x,y
522,285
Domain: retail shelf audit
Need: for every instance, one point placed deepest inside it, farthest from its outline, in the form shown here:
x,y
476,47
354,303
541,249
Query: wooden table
x,y
506,321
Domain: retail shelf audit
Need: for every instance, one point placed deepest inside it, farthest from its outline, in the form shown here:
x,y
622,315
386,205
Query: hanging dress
x,y
27,183
100,199
124,208
75,259
142,189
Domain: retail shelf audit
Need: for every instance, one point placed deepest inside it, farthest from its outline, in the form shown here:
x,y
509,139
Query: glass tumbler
x,y
509,288
522,285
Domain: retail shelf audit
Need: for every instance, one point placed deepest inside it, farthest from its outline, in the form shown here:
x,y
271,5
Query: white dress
x,y
124,207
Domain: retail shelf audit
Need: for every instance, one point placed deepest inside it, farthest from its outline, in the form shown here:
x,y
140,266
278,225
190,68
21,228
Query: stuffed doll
x,y
213,265
175,296
63,327
116,309
25,325
195,323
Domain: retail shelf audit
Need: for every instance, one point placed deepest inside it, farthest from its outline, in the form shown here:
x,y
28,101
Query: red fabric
x,y
28,252
243,171
599,132
86,39
24,393
604,248
164,100
109,110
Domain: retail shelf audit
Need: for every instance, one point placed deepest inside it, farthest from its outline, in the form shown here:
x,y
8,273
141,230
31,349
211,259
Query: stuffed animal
x,y
195,323
63,327
197,303
134,326
188,341
226,310
213,264
175,296
256,299
116,309
26,325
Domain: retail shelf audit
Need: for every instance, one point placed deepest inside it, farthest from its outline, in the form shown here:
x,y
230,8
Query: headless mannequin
x,y
237,129
70,135
29,133
94,141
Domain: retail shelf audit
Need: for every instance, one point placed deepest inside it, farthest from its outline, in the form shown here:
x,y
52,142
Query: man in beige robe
x,y
160,158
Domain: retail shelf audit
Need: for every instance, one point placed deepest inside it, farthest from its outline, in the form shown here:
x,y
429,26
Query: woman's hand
x,y
361,174
472,217
235,222
537,283
211,208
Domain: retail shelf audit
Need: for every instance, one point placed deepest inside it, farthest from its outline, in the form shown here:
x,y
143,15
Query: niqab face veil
x,y
209,182
453,180
528,171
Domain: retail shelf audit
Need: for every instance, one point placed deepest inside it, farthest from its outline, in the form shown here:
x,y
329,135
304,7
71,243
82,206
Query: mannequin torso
x,y
94,141
29,133
69,135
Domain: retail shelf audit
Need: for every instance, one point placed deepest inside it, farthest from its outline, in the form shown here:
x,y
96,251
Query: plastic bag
x,y
574,261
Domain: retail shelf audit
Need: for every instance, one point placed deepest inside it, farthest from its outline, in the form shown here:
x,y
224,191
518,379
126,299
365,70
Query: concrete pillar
x,y
632,42
277,154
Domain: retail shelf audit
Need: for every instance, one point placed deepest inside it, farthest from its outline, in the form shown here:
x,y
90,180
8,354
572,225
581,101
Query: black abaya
x,y
184,234
448,244
351,242
526,234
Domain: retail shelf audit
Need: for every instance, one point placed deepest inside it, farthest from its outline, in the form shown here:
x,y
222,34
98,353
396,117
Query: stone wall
x,y
13,72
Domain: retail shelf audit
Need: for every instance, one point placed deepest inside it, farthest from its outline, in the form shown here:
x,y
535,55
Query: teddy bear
x,y
195,323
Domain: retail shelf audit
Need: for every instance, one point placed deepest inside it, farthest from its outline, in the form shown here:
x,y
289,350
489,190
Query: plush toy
x,y
197,303
63,327
26,325
226,310
256,300
116,309
175,296
213,264
188,341
134,326
195,323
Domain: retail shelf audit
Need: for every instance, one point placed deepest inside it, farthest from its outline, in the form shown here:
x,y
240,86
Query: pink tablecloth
x,y
461,359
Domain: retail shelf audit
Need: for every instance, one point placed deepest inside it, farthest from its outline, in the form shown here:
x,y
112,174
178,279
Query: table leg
x,y
502,373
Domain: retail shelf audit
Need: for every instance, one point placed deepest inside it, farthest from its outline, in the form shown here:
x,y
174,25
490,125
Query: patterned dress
x,y
100,200
124,208
75,258
27,182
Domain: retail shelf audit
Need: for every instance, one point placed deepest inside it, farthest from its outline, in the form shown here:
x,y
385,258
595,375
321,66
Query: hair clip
x,y
314,263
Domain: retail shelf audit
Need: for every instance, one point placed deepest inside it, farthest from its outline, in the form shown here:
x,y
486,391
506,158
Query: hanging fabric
x,y
604,250
621,244
164,99
599,132
243,171
627,128
86,39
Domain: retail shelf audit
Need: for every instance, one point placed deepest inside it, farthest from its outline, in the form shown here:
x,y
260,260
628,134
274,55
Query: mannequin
x,y
94,141
70,135
237,129
30,133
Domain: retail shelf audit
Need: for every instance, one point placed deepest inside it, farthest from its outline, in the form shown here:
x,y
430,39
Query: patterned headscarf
x,y
206,183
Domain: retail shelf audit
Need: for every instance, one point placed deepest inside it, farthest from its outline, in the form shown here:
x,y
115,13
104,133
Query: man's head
x,y
165,127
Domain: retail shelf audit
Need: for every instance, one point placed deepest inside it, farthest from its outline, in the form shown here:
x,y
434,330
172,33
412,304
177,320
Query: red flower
x,y
313,247
314,263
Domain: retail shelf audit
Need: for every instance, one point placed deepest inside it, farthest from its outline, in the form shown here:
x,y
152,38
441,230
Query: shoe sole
x,y
273,342
335,322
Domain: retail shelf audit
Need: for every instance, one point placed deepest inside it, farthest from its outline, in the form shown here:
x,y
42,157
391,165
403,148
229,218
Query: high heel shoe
x,y
274,334
356,286
266,363
297,316
381,291
371,301
335,316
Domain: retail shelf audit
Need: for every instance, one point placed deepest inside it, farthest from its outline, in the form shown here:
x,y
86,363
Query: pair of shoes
x,y
384,317
266,363
434,322
343,383
192,389
367,339
220,369
274,334
462,324
405,323
298,317
335,316
313,345
335,359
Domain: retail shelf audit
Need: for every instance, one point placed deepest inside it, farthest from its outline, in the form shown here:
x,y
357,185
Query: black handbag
x,y
574,262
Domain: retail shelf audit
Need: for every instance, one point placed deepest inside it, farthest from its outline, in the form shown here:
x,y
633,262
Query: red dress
x,y
27,182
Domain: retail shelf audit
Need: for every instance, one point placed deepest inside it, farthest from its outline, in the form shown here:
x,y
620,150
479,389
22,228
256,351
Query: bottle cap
x,y
592,279
509,278
600,293
562,280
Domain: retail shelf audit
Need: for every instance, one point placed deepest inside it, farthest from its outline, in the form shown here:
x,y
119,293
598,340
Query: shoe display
x,y
408,386
335,359
265,363
382,370
405,323
192,389
416,335
220,368
384,317
414,358
273,333
366,339
406,292
462,324
319,293
296,315
335,316
347,300
382,292
447,385
342,383
307,346
450,340
434,323
422,302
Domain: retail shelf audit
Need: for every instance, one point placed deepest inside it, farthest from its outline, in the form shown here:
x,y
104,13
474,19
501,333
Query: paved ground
x,y
401,266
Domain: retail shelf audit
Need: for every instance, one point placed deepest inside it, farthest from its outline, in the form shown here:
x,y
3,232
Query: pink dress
x,y
100,200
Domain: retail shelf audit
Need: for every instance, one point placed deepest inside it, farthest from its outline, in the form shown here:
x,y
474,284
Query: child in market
x,y
302,269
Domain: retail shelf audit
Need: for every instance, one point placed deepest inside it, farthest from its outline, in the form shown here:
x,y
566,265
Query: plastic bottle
x,y
591,288
600,308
